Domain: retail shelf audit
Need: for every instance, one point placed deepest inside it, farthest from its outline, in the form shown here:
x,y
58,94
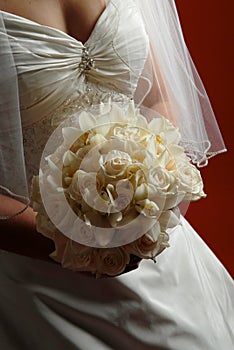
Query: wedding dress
x,y
185,300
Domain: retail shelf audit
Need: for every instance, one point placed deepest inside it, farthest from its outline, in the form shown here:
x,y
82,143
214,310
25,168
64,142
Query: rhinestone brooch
x,y
87,63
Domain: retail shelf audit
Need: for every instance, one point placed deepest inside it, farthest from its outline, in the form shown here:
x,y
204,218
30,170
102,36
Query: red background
x,y
208,30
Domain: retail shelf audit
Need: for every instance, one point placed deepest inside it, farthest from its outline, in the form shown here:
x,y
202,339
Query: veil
x,y
13,181
176,88
169,85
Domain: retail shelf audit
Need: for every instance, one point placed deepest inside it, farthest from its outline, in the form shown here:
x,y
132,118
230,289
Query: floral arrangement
x,y
109,193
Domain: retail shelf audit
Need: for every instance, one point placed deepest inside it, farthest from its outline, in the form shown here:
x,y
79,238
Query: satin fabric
x,y
52,84
184,301
48,60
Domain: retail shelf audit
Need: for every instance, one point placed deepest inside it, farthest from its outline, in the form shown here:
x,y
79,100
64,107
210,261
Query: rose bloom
x,y
78,257
144,247
165,188
115,164
147,246
190,181
133,133
112,261
163,180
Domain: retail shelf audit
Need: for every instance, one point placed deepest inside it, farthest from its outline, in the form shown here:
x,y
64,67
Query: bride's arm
x,y
19,235
157,99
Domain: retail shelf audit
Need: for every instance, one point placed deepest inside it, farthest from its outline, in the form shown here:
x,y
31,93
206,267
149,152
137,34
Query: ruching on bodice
x,y
58,75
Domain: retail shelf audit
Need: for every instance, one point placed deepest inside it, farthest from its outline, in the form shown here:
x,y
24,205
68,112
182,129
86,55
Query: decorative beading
x,y
37,134
87,62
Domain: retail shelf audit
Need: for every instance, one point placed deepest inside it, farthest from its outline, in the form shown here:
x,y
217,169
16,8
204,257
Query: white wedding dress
x,y
185,300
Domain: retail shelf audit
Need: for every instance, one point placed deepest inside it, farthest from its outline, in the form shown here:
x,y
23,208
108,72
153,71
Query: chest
x,y
76,18
49,13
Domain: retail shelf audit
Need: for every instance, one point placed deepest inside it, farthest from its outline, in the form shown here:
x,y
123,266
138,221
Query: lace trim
x,y
36,135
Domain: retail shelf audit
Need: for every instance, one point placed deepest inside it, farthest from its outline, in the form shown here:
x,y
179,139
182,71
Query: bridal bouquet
x,y
109,189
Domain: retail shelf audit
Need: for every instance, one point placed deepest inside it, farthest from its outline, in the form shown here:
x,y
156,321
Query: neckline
x,y
56,30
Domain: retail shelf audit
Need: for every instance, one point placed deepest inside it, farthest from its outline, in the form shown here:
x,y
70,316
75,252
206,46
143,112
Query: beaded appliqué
x,y
87,62
37,134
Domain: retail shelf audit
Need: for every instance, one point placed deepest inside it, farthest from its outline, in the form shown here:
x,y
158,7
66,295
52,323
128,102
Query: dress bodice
x,y
58,75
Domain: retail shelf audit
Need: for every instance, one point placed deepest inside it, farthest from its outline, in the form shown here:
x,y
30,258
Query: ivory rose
x,y
148,246
112,261
190,181
78,257
115,164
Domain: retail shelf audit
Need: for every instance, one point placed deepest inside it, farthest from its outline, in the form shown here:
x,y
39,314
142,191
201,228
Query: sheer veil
x,y
180,94
12,174
169,85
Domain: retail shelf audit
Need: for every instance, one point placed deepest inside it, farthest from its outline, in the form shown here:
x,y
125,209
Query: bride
x,y
62,56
